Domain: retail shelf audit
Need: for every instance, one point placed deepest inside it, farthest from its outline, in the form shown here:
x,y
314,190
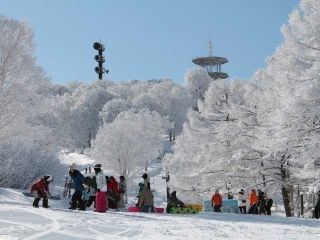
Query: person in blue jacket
x,y
77,179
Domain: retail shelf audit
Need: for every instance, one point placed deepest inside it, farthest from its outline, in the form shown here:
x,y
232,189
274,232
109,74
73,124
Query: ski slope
x,y
18,220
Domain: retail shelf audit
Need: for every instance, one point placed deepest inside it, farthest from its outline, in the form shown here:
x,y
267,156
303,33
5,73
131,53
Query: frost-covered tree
x,y
197,82
18,77
168,99
289,111
79,111
113,108
215,147
163,96
23,97
130,141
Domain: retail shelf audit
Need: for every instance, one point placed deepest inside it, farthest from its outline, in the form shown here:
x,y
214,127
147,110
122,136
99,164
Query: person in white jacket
x,y
242,202
100,179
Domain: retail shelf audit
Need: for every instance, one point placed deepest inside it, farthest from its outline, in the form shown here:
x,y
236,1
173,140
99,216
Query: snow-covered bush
x,y
22,162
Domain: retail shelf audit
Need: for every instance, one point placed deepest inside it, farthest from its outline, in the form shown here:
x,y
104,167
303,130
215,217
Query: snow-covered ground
x,y
18,220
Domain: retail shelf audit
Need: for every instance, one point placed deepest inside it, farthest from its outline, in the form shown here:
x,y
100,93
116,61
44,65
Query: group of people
x,y
105,192
102,191
87,190
99,189
258,203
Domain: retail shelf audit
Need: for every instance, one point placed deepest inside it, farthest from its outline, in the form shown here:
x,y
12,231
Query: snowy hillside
x,y
18,220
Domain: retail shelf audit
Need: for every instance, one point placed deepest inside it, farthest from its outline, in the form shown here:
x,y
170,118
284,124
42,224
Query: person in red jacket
x,y
216,201
113,192
41,190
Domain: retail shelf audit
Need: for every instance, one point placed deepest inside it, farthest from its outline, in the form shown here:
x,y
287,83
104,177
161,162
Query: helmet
x,y
48,178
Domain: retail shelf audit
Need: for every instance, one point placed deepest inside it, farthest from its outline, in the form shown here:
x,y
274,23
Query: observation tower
x,y
212,64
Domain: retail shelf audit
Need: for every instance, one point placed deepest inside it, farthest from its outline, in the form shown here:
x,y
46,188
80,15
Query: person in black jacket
x,y
77,179
268,206
173,201
261,202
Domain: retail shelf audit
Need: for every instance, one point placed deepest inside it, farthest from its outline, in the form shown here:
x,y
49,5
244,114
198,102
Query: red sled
x,y
137,209
101,202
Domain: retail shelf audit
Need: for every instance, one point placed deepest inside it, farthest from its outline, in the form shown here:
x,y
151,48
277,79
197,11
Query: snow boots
x,y
45,203
36,202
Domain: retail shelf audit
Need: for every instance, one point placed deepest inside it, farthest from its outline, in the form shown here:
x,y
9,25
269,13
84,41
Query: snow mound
x,y
79,159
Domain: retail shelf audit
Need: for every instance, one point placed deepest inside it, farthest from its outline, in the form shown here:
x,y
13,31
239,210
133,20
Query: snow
x,y
18,220
79,159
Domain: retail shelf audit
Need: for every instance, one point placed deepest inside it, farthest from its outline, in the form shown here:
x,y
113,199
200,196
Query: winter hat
x,y
73,166
48,178
217,191
97,166
145,176
122,178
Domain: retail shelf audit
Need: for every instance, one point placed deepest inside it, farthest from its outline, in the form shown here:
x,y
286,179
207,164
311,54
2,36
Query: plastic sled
x,y
137,209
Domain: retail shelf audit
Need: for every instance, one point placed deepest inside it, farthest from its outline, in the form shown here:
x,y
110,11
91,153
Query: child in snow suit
x,y
242,202
88,195
216,201
41,189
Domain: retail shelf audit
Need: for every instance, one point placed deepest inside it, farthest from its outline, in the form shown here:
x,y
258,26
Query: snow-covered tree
x,y
197,82
113,108
220,138
289,110
130,141
23,95
79,111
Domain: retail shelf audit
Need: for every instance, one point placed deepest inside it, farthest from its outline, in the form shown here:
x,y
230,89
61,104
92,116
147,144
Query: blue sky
x,y
149,39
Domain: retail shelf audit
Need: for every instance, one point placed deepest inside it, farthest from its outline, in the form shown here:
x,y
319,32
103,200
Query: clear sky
x,y
150,39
